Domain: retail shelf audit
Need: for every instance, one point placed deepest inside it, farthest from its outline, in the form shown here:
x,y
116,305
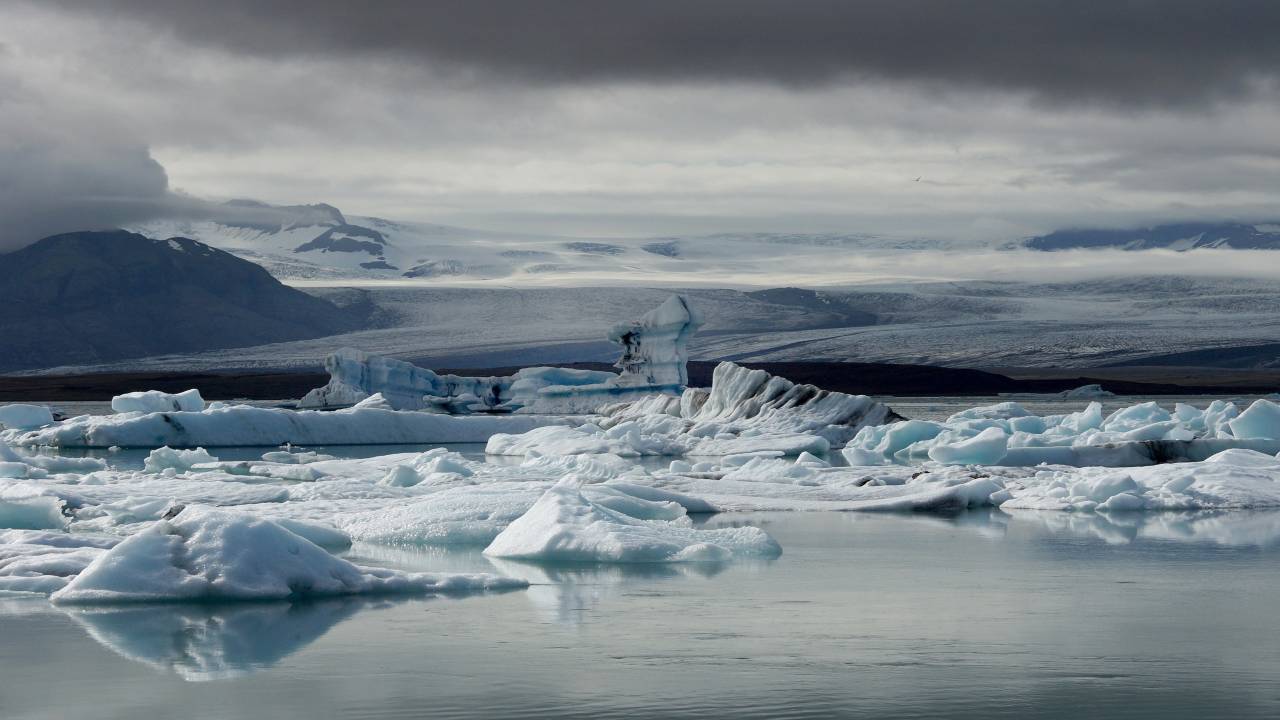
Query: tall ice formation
x,y
654,354
655,347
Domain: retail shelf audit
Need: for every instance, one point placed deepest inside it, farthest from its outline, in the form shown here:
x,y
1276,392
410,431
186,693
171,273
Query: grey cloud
x,y
44,191
1158,52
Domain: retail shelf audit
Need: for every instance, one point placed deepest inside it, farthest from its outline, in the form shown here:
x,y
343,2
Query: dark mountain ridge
x,y
90,297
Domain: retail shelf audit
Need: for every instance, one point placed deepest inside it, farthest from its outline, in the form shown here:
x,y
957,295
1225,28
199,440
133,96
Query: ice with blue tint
x,y
1007,434
18,416
565,526
248,426
205,554
746,411
153,401
654,355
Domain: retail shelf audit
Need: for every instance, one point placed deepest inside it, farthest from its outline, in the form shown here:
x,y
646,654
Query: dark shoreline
x,y
856,378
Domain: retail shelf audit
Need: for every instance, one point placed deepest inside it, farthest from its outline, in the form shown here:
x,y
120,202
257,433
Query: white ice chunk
x,y
179,460
32,512
985,448
204,554
1260,420
154,401
563,525
43,562
1085,392
25,417
244,425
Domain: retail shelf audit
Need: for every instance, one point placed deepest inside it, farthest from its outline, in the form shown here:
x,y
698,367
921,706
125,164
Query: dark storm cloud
x,y
1166,52
47,189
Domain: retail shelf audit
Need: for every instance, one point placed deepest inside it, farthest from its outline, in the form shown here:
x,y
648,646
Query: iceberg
x,y
355,376
152,401
1007,434
244,425
655,347
43,562
25,417
1085,392
745,412
206,554
563,525
654,357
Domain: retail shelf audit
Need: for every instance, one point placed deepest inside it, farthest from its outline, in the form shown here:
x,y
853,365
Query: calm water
x,y
979,616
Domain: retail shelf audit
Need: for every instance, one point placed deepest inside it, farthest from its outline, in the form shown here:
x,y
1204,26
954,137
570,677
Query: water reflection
x,y
1229,528
212,642
567,593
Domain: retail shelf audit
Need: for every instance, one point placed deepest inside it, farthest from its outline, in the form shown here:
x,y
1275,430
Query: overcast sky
x,y
591,117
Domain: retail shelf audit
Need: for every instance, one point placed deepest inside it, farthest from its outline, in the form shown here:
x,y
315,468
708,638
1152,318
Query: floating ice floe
x,y
24,417
204,554
565,526
745,411
43,562
654,355
153,401
1007,434
356,376
244,425
1085,392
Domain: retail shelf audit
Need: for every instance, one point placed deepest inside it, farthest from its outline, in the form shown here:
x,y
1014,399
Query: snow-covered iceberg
x,y
745,411
1007,434
654,357
205,554
151,401
565,526
43,562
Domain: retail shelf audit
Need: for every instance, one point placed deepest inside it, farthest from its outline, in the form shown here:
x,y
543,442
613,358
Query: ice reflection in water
x,y
200,642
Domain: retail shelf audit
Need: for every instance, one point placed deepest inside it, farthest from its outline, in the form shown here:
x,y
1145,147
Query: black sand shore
x,y
859,378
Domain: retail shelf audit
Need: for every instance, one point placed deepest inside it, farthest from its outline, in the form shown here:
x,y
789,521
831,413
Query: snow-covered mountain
x,y
320,243
1180,236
